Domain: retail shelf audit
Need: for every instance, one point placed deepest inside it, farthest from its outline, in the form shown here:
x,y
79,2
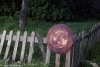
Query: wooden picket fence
x,y
17,38
73,56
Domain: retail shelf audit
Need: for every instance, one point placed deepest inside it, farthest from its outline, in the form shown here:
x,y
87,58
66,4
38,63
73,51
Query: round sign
x,y
60,38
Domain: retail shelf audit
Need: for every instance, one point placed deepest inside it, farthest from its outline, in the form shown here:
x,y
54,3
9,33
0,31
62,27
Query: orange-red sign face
x,y
60,38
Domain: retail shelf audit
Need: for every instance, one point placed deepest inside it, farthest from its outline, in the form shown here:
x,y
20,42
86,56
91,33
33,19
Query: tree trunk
x,y
23,13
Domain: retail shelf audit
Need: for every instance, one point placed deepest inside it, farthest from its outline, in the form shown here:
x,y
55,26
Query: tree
x,y
23,13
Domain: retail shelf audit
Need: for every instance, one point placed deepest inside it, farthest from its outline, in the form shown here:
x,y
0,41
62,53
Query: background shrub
x,y
49,10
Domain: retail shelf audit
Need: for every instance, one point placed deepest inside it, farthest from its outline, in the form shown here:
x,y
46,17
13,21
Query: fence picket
x,y
92,37
48,55
80,47
23,46
57,62
16,46
2,40
82,42
41,45
76,51
67,61
8,44
88,42
73,53
98,31
93,34
31,51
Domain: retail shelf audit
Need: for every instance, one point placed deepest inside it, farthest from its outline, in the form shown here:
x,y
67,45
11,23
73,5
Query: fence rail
x,y
73,56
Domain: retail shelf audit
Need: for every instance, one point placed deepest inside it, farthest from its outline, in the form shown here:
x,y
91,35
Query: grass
x,y
42,27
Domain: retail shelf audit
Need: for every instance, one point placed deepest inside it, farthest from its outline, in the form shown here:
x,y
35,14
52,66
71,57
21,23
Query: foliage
x,y
94,53
57,10
85,63
49,10
9,7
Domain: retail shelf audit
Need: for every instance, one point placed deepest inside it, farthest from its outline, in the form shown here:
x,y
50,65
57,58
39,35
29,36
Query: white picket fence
x,y
34,38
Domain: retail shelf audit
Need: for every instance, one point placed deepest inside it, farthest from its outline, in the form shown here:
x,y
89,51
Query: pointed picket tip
x,y
2,40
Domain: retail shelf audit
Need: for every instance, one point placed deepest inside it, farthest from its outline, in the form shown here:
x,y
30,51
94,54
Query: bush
x,y
50,10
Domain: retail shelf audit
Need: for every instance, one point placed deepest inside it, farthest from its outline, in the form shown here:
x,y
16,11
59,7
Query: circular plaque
x,y
60,38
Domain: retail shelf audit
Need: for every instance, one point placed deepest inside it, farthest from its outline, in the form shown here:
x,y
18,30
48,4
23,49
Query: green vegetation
x,y
94,54
42,27
49,10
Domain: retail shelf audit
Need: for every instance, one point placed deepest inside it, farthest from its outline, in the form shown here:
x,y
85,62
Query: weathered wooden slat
x,y
98,31
23,47
88,42
92,38
93,34
73,53
2,40
57,62
67,61
8,44
41,45
76,51
48,55
87,47
16,46
80,48
71,59
31,47
82,42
